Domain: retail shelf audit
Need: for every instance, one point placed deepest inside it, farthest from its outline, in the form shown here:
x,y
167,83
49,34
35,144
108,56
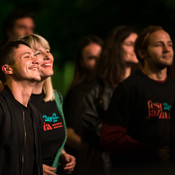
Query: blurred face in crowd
x,y
46,61
90,54
26,65
160,50
128,48
22,27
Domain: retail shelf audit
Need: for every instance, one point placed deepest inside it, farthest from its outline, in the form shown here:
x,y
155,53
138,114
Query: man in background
x,y
18,23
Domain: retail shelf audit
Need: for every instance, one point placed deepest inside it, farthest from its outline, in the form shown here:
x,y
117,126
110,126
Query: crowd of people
x,y
118,116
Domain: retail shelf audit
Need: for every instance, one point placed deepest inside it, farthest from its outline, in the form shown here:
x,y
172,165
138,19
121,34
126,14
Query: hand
x,y
164,155
69,163
48,170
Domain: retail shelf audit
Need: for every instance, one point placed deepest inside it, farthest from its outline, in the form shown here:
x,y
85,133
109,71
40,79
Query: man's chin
x,y
36,79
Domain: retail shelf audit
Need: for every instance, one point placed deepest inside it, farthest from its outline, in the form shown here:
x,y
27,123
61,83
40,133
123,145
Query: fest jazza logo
x,y
51,122
158,110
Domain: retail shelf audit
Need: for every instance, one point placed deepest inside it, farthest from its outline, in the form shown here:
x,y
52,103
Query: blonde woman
x,y
49,102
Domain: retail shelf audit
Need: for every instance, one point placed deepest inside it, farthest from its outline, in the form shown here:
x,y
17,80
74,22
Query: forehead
x,y
92,48
24,21
21,50
159,35
131,37
38,46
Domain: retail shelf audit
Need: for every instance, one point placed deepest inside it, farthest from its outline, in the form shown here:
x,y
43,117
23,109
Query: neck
x,y
21,90
155,74
38,87
127,72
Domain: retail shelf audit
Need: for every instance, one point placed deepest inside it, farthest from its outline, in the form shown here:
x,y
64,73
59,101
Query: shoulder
x,y
96,87
132,81
171,81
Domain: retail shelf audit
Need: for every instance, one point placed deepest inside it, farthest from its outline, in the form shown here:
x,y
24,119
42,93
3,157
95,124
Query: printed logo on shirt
x,y
158,110
51,122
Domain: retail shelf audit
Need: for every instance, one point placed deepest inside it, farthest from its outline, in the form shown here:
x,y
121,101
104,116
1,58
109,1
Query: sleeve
x,y
91,120
1,119
5,123
114,136
172,134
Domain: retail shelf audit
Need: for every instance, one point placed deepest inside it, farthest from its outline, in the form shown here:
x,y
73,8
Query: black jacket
x,y
12,136
95,160
95,103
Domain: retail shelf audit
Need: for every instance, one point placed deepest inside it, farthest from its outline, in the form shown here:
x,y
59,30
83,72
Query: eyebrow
x,y
26,53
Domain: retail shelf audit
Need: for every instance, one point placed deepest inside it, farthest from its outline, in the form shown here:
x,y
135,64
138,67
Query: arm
x,y
73,139
72,107
91,116
5,122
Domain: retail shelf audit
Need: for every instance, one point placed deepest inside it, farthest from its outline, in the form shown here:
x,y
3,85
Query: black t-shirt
x,y
54,132
143,106
73,106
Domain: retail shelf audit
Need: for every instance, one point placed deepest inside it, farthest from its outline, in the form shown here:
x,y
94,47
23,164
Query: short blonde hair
x,y
35,40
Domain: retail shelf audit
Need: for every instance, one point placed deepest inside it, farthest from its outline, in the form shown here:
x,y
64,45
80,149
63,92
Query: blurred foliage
x,y
64,22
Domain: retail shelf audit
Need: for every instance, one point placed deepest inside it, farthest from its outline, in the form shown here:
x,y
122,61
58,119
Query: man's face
x,y
160,50
22,27
90,54
26,66
45,61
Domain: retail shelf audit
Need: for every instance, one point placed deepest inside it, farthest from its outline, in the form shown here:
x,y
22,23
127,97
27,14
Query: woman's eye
x,y
37,53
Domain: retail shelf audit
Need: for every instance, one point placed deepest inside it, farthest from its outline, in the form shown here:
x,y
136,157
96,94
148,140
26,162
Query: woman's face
x,y
46,61
128,48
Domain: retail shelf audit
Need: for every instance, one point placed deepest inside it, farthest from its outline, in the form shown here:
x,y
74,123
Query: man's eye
x,y
170,45
158,45
92,58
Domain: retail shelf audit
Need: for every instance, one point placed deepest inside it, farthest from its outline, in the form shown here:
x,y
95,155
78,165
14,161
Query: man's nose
x,y
166,48
29,31
36,60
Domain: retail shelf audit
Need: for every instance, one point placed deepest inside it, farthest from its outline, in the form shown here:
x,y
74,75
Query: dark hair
x,y
111,66
80,73
143,40
7,55
11,18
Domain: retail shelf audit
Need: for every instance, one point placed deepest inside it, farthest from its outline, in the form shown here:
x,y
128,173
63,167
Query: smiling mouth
x,y
46,65
34,68
167,57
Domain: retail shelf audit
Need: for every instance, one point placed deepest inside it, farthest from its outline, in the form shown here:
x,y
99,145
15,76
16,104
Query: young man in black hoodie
x,y
19,121
137,123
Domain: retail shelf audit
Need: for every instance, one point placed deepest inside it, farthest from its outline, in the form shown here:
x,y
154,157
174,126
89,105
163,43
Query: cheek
x,y
153,55
52,59
40,59
125,54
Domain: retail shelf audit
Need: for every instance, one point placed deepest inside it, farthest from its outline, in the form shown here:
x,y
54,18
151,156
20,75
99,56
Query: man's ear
x,y
7,69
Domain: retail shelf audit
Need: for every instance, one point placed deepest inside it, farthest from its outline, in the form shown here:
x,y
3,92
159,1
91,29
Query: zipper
x,y
24,126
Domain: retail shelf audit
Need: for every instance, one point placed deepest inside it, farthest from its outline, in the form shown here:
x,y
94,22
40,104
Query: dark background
x,y
64,22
